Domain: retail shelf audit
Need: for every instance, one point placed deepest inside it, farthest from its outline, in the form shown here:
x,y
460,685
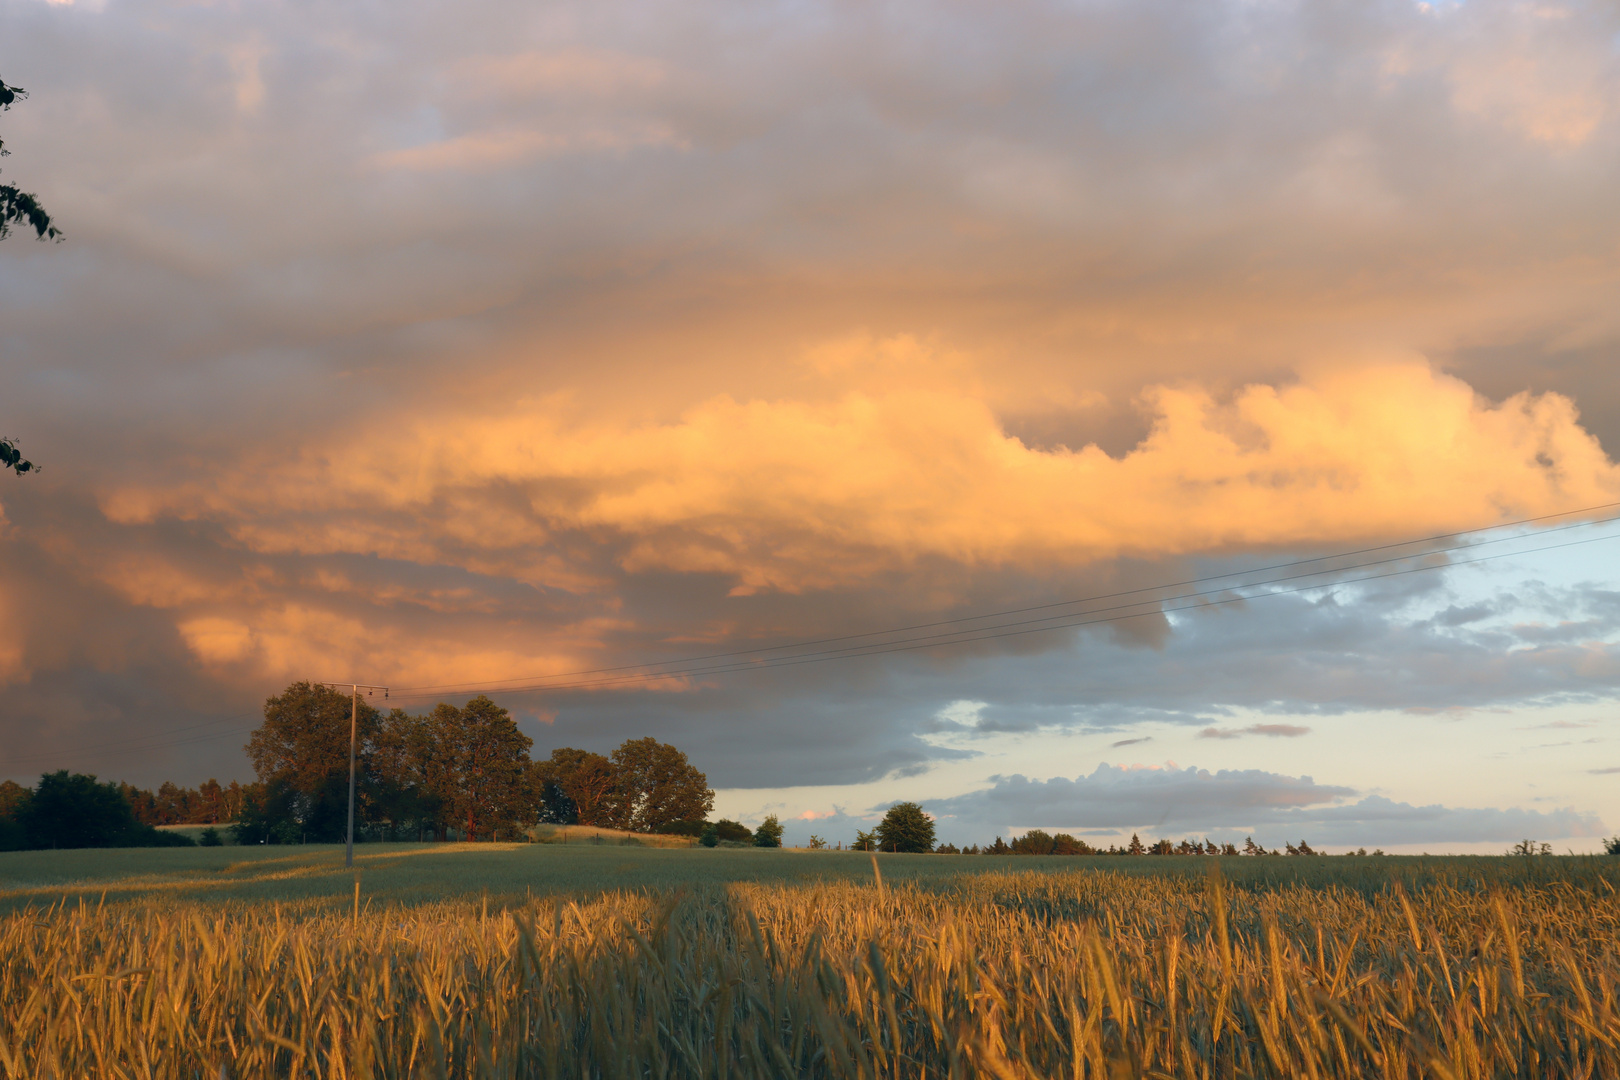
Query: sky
x,y
463,349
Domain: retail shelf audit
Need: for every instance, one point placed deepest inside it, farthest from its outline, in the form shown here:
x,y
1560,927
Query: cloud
x,y
1122,798
1131,742
763,491
449,346
1285,731
1377,820
1270,805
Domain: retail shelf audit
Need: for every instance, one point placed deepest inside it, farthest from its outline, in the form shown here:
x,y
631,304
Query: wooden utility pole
x,y
354,727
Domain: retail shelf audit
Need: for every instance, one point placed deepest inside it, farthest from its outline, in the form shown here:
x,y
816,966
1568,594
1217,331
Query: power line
x,y
694,667
691,667
495,684
912,645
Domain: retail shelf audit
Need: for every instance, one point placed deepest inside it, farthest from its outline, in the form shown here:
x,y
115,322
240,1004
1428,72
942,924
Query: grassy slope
x,y
314,876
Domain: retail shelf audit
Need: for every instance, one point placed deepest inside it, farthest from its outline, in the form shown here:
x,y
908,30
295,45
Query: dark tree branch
x,y
11,458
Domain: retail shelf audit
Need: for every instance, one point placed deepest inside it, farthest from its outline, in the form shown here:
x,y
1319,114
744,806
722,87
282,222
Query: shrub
x,y
210,838
734,831
710,837
683,827
769,833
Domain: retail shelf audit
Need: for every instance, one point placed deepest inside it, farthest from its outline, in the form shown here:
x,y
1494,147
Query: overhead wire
x,y
701,666
794,654
498,684
1007,630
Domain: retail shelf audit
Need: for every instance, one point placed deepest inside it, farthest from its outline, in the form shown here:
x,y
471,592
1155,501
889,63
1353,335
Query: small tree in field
x,y
865,840
769,833
906,828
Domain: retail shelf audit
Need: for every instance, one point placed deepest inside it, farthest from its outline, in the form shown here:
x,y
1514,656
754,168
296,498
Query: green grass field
x,y
508,874
543,960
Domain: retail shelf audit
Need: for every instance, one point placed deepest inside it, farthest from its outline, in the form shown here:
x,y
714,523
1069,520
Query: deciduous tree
x,y
412,778
906,827
303,747
491,761
575,787
655,784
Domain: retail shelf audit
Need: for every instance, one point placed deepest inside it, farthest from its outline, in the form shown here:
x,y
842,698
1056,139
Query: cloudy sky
x,y
472,348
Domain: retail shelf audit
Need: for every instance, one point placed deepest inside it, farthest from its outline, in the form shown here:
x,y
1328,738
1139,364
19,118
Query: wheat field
x,y
1005,972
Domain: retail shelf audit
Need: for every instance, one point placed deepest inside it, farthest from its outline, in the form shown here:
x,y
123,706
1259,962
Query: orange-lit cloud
x,y
473,343
798,495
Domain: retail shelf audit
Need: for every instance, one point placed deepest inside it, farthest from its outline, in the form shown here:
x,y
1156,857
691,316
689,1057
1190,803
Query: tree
x,y
72,810
733,831
655,784
212,807
17,207
682,828
1611,846
769,833
817,843
13,801
490,759
302,748
864,841
906,828
710,837
575,787
266,816
10,457
1034,842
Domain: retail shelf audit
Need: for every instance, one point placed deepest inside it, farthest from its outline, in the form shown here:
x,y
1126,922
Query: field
x,y
618,961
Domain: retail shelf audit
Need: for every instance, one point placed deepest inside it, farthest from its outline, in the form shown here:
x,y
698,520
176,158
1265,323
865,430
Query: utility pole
x,y
354,724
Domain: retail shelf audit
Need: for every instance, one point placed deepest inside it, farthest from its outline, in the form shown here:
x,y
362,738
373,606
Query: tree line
x,y
459,772
908,828
1040,842
212,803
72,810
